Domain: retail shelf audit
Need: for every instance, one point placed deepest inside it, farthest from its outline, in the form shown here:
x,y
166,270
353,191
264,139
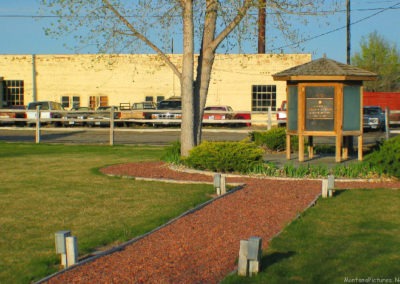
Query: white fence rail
x,y
268,119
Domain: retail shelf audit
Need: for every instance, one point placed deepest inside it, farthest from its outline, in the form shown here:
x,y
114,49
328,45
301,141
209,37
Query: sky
x,y
23,31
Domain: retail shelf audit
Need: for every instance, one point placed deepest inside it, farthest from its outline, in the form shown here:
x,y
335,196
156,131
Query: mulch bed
x,y
202,247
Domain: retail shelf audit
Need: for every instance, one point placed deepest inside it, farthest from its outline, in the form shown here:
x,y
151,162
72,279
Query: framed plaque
x,y
320,108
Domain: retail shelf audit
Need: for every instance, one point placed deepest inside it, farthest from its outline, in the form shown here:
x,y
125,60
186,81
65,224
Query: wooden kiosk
x,y
324,99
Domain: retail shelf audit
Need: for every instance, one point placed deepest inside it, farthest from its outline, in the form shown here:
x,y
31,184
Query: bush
x,y
387,158
273,139
225,157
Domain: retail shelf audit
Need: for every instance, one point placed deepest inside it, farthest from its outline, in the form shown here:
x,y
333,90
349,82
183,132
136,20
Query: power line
x,y
337,29
157,16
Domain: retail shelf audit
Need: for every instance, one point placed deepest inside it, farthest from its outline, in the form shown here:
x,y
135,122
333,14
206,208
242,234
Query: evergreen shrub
x,y
273,139
387,157
225,157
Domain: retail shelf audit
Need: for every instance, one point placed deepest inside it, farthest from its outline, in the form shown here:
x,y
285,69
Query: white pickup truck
x,y
169,112
281,115
48,110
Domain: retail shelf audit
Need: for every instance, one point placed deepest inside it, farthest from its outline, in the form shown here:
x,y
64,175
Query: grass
x,y
352,236
48,188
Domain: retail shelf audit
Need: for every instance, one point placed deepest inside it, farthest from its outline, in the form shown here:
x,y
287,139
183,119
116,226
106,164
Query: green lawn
x,y
48,188
352,237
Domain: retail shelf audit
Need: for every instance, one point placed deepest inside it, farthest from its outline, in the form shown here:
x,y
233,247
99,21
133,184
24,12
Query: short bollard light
x,y
72,250
67,246
217,183
223,184
328,186
331,185
250,256
61,247
254,255
324,190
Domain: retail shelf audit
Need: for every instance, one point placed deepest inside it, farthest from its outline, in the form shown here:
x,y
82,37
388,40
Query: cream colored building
x,y
242,81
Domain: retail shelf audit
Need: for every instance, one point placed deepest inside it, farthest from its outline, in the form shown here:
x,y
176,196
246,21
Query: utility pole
x,y
349,139
348,32
261,26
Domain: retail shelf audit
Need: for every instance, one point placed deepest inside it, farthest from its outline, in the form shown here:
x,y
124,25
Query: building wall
x,y
130,78
382,99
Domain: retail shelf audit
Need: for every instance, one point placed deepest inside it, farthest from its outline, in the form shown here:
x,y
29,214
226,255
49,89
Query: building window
x,y
68,101
65,101
14,92
96,101
160,98
92,102
103,100
76,101
263,97
149,98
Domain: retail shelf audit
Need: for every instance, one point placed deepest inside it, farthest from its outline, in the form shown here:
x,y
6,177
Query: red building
x,y
382,99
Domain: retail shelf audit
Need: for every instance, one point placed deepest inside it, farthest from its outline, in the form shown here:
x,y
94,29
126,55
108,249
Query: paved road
x,y
121,135
140,136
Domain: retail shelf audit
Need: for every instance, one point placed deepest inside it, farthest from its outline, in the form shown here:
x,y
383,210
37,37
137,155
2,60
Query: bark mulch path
x,y
202,247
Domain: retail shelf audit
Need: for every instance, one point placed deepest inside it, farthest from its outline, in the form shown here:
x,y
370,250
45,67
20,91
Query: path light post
x,y
219,184
67,247
250,256
61,247
328,186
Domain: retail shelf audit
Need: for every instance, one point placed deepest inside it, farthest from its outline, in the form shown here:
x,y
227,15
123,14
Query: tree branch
x,y
143,38
247,4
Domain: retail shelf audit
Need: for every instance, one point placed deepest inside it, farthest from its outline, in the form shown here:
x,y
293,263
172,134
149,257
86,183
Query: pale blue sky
x,y
23,34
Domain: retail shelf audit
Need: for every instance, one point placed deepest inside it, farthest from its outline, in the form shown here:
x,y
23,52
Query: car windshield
x,y
80,108
43,106
143,106
372,111
169,105
56,106
105,108
215,108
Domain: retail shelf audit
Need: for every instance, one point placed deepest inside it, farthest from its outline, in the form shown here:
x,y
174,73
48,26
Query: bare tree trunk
x,y
187,125
204,67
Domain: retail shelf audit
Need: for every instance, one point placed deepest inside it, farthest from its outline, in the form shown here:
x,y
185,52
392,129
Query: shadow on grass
x,y
275,257
337,192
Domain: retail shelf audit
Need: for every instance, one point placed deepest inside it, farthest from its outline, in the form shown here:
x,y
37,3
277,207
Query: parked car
x,y
48,110
281,115
76,116
136,112
102,116
373,118
219,114
169,109
12,112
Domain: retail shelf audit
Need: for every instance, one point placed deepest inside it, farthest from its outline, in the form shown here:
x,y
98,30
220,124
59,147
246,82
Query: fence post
x,y
112,126
387,125
37,132
269,118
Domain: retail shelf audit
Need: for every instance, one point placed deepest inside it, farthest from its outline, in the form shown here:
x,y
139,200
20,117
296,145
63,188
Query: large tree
x,y
378,55
113,25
